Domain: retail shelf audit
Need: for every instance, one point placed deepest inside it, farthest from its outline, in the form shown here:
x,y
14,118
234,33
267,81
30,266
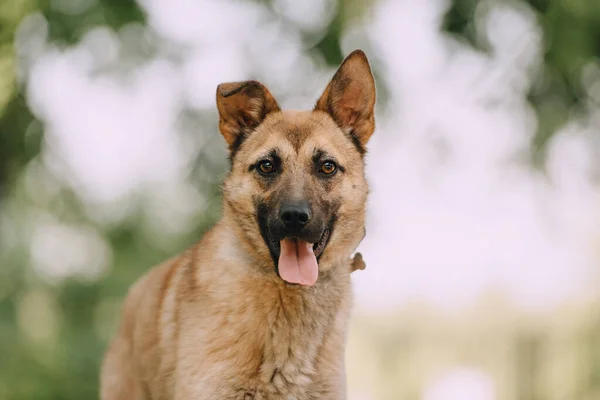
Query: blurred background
x,y
483,261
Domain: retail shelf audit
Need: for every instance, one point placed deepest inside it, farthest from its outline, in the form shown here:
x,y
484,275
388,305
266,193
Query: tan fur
x,y
217,322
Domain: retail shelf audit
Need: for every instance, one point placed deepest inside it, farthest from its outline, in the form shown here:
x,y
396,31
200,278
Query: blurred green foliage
x,y
571,41
67,366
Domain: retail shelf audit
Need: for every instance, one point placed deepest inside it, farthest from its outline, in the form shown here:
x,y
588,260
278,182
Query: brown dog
x,y
258,309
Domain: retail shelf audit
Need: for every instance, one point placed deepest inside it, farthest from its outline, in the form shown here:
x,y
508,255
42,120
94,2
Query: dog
x,y
259,308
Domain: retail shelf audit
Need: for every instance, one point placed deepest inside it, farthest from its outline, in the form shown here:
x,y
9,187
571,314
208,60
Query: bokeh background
x,y
483,261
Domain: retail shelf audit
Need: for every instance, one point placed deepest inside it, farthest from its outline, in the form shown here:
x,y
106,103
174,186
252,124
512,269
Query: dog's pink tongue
x,y
297,262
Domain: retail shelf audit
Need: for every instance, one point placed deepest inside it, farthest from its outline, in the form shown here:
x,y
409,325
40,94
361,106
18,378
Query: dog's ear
x,y
350,98
242,107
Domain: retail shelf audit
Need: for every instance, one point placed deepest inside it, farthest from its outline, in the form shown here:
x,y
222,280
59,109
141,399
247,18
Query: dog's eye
x,y
266,167
328,167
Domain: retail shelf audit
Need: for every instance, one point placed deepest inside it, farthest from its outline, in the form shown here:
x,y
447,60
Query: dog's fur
x,y
217,322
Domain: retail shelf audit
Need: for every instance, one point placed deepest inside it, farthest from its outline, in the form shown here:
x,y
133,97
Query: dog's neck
x,y
299,325
297,320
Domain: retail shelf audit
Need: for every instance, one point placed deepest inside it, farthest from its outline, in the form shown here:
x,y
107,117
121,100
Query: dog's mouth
x,y
296,260
317,247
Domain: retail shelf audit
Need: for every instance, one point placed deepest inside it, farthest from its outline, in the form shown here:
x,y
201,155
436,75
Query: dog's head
x,y
297,190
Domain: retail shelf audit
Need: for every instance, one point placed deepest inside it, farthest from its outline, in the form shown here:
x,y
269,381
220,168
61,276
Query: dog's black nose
x,y
295,216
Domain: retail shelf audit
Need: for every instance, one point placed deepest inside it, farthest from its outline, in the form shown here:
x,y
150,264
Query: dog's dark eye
x,y
266,167
328,167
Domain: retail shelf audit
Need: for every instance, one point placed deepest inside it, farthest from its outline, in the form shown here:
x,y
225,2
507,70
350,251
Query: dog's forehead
x,y
299,126
291,130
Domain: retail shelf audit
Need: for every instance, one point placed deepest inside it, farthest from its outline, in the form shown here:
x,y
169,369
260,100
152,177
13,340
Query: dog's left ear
x,y
350,98
242,107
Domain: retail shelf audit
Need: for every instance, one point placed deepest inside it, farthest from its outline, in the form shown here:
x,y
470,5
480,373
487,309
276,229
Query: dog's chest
x,y
267,344
292,335
289,340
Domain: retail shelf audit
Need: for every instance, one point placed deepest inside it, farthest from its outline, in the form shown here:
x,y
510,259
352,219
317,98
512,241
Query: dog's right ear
x,y
242,107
